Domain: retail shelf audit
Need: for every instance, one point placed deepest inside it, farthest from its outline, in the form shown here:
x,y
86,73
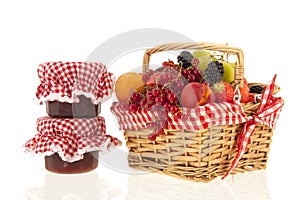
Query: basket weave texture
x,y
200,155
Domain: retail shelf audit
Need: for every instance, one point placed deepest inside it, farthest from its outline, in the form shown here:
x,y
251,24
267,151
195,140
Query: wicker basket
x,y
205,154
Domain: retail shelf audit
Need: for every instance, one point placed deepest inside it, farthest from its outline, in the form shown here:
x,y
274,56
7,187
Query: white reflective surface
x,y
86,186
153,186
89,186
33,32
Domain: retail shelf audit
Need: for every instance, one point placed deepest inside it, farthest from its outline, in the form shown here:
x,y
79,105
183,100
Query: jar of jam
x,y
71,145
74,89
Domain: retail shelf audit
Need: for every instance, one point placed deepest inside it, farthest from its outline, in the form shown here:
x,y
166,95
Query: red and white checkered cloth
x,y
70,137
64,81
213,114
202,117
267,114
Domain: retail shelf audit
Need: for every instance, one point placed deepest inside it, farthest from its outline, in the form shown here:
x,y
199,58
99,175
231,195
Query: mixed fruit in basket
x,y
196,79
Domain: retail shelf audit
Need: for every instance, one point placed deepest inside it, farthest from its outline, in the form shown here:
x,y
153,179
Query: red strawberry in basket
x,y
251,97
244,92
222,92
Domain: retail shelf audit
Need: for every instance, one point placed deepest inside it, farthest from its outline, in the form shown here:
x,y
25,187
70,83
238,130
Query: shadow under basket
x,y
55,164
83,109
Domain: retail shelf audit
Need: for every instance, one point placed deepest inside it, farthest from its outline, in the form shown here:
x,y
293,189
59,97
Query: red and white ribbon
x,y
267,114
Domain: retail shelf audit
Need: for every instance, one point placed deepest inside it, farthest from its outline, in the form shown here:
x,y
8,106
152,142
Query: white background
x,y
36,31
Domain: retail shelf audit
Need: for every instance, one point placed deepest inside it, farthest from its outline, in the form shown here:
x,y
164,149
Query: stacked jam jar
x,y
72,134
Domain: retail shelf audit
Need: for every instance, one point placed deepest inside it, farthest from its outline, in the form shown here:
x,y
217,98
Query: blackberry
x,y
256,89
185,59
214,72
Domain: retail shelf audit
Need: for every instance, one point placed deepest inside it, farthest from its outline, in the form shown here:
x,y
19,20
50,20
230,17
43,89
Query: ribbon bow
x,y
267,114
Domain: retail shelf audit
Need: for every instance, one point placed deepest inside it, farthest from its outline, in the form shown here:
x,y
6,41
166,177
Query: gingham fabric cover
x,y
267,114
192,119
64,81
70,137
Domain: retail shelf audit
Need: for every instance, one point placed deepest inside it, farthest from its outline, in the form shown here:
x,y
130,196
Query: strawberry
x,y
244,93
229,91
222,92
251,97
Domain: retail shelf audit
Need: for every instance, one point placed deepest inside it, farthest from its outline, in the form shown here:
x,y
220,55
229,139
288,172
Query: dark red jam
x,y
55,164
84,109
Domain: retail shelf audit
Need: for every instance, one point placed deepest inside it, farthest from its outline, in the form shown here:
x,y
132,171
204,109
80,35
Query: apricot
x,y
126,84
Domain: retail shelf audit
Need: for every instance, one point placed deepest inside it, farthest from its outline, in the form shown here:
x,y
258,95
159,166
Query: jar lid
x,y
65,81
70,137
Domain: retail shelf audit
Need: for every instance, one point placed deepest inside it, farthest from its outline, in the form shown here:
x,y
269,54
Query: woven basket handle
x,y
239,69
